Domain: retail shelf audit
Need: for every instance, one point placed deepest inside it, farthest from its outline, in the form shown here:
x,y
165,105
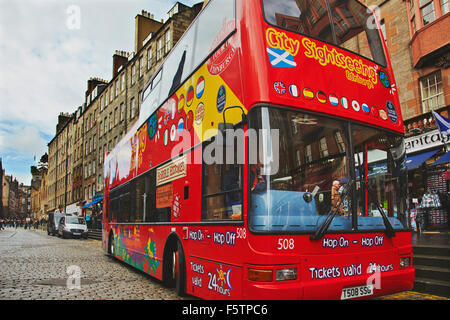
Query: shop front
x,y
428,179
92,212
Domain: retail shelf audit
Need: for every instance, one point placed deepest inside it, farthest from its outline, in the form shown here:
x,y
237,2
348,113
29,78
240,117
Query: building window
x,y
445,6
117,87
133,74
308,154
123,81
167,41
339,141
432,93
122,111
323,148
149,58
116,116
159,49
141,67
412,15
111,93
298,158
132,108
427,11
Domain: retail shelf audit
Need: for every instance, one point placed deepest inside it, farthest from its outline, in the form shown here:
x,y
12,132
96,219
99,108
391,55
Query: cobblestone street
x,y
34,265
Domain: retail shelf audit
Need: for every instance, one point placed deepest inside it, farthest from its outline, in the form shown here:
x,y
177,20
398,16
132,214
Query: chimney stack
x,y
144,25
120,59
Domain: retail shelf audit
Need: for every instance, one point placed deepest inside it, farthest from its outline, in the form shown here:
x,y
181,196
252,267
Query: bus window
x,y
313,156
356,30
122,204
380,175
140,199
222,182
353,28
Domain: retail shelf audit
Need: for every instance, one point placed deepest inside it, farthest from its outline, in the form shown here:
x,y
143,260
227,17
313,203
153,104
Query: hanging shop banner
x,y
173,170
425,141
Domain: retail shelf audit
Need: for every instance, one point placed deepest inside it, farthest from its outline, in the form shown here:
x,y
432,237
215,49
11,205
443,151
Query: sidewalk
x,y
435,238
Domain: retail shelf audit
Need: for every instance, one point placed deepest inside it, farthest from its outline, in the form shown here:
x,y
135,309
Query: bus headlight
x,y
286,274
405,262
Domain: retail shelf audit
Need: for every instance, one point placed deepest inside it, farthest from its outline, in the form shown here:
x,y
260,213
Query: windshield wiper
x,y
333,211
390,232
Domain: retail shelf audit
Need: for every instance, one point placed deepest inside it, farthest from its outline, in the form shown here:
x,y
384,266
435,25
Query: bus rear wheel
x,y
176,269
111,244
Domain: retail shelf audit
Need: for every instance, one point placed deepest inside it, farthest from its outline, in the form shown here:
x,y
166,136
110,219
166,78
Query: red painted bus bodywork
x,y
219,254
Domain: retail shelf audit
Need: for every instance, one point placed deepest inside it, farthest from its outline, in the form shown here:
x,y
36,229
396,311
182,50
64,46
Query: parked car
x,y
72,226
53,222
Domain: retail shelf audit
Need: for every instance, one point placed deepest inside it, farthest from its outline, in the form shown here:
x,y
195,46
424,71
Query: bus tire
x,y
111,244
174,272
180,271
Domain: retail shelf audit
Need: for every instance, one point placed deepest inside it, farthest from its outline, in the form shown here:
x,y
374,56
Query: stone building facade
x,y
417,37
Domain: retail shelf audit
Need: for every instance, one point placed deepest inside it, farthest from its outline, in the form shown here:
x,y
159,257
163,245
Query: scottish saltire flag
x,y
443,123
281,58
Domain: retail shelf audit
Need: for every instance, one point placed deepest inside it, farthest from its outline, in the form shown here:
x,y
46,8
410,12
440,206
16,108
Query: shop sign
x,y
173,170
425,141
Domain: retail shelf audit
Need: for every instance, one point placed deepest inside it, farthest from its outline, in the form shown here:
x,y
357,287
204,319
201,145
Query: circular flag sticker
x,y
172,108
199,113
356,106
200,87
321,96
365,108
221,98
166,137
152,126
293,90
392,114
173,132
374,112
181,103
189,120
190,96
279,87
384,79
308,93
383,114
344,102
333,100
180,126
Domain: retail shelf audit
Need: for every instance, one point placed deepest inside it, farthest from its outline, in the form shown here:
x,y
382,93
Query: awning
x,y
412,162
97,199
444,159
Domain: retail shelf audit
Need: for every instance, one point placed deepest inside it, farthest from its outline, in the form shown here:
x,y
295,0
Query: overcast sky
x,y
48,51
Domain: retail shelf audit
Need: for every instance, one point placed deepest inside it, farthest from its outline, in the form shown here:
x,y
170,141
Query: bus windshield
x,y
354,26
313,176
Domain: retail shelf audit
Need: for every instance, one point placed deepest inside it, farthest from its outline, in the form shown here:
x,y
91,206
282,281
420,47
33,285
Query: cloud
x,y
47,62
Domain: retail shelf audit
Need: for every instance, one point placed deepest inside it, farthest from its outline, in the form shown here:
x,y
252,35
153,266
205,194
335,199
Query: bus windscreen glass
x,y
353,24
313,176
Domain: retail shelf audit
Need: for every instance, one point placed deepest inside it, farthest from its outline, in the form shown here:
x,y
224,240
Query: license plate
x,y
76,234
356,292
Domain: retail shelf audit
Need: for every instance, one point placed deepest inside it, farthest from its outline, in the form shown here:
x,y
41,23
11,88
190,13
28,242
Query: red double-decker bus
x,y
268,161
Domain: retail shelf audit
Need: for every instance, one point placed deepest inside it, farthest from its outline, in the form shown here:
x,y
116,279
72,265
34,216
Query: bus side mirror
x,y
226,125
